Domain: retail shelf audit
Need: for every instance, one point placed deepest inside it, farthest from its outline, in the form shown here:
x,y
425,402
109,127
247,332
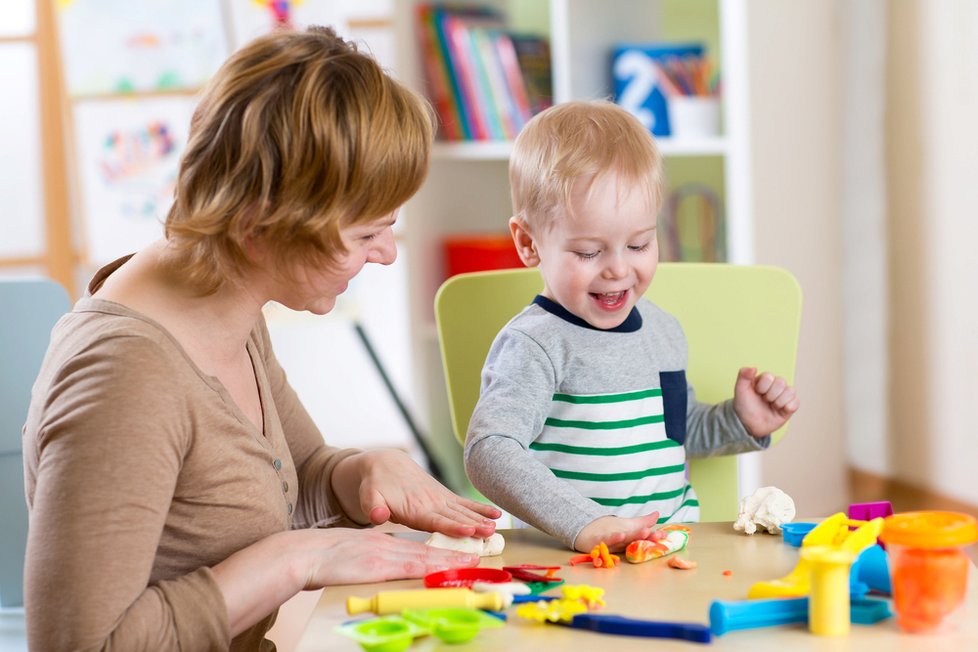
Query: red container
x,y
480,252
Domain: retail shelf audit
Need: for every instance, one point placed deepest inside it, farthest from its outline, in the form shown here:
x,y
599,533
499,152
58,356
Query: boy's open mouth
x,y
610,299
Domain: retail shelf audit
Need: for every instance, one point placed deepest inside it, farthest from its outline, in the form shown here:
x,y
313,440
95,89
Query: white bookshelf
x,y
467,189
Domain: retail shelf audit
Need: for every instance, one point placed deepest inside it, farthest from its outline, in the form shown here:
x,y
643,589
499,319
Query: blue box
x,y
636,81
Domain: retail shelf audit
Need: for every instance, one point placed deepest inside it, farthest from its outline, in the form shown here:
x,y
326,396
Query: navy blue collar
x,y
631,324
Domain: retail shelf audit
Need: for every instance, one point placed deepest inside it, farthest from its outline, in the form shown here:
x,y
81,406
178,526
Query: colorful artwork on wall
x,y
128,154
119,46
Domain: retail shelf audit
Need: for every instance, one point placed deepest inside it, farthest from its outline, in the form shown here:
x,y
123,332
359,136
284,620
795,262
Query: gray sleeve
x,y
518,384
713,430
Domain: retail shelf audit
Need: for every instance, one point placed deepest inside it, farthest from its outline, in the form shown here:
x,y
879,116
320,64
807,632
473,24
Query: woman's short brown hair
x,y
577,142
297,135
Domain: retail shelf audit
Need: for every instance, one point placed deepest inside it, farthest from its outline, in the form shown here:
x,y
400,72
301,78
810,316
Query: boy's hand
x,y
615,532
763,402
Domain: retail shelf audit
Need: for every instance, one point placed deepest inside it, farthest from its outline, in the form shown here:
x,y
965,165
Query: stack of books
x,y
476,82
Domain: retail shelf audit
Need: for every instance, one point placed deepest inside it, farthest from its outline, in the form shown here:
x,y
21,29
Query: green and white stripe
x,y
613,448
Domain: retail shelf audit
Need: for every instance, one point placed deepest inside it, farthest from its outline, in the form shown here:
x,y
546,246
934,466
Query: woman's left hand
x,y
392,487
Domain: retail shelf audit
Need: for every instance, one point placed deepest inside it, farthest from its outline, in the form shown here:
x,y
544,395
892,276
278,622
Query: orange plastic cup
x,y
928,567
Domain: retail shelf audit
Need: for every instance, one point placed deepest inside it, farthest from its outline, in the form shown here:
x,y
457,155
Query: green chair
x,y
733,316
30,309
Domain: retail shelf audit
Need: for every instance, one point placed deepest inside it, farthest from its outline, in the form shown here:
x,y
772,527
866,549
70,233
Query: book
x,y
440,83
503,109
474,74
515,83
533,55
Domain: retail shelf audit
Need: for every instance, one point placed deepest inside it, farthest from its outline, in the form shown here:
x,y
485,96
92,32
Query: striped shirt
x,y
575,423
613,448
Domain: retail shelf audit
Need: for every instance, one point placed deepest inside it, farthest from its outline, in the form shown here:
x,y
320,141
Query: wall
x,y
932,154
866,292
796,149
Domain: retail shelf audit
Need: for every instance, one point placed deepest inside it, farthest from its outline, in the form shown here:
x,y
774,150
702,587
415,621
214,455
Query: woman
x,y
172,473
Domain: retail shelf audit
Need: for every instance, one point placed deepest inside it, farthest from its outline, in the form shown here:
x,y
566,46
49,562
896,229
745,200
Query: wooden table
x,y
656,592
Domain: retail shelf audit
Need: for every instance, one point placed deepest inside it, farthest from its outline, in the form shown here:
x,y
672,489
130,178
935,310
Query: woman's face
x,y
314,289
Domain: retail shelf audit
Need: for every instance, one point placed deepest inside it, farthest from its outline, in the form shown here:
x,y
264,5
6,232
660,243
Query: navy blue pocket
x,y
674,399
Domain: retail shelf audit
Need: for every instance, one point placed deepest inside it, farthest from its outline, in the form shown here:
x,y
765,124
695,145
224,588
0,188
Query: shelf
x,y
713,146
472,151
500,150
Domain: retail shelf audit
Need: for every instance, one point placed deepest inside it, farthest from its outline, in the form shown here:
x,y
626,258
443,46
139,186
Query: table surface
x,y
652,591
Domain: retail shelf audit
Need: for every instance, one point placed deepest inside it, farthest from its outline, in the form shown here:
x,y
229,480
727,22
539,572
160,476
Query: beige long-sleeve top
x,y
141,473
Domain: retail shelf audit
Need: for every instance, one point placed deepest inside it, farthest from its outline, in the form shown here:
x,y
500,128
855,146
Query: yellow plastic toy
x,y
828,605
553,611
591,596
392,602
833,533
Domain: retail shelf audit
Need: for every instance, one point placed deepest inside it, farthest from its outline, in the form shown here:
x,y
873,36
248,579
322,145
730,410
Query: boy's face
x,y
597,262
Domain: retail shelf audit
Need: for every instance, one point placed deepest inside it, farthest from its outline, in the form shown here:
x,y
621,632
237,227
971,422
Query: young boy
x,y
585,419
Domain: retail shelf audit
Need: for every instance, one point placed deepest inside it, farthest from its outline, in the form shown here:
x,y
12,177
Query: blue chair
x,y
30,309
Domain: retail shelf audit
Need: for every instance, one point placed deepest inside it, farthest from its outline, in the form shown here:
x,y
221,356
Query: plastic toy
x,y
608,624
929,569
573,613
390,602
794,533
533,597
872,568
551,610
767,508
869,511
452,625
834,532
386,634
828,604
466,577
591,596
644,550
524,574
728,616
599,556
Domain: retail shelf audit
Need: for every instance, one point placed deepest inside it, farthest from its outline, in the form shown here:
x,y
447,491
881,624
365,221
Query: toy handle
x,y
693,632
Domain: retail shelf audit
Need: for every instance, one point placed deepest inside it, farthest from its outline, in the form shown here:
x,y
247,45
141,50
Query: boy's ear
x,y
523,240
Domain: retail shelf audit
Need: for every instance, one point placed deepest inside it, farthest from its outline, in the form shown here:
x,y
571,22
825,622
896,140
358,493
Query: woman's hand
x,y
344,556
386,485
764,402
258,579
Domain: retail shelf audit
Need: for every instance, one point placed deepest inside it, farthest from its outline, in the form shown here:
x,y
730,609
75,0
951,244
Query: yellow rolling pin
x,y
393,602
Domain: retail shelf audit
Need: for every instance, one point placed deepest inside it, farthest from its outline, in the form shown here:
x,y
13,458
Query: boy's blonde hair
x,y
579,141
297,135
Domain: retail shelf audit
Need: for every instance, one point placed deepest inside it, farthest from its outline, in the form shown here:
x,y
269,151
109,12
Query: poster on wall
x,y
121,46
251,18
128,154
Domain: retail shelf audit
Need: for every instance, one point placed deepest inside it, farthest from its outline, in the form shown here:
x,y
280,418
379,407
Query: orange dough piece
x,y
680,563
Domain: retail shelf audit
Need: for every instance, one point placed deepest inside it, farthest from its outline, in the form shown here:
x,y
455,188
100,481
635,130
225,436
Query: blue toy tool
x,y
608,624
873,569
794,533
750,614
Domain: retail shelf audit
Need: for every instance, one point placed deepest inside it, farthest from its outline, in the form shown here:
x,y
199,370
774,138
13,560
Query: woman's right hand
x,y
260,578
346,556
616,532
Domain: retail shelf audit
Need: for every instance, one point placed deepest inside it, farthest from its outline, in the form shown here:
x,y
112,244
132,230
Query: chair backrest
x,y
733,316
30,309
